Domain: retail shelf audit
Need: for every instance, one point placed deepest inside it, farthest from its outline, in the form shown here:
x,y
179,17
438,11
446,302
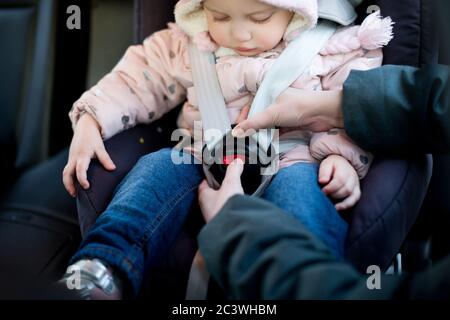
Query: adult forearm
x,y
399,109
255,251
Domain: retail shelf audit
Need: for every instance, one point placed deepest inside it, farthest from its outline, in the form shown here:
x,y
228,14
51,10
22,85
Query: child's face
x,y
249,27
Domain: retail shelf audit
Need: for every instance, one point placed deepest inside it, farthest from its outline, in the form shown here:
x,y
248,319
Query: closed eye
x,y
261,20
221,19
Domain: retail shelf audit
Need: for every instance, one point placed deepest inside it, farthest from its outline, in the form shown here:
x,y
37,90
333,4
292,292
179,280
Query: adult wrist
x,y
332,109
325,112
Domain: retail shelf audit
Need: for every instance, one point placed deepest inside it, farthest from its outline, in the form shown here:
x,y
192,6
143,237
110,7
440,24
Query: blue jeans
x,y
152,202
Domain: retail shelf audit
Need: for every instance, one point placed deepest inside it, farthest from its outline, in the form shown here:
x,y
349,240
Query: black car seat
x,y
25,64
392,192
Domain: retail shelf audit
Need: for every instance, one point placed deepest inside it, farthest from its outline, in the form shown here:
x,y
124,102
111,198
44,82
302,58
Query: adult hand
x,y
295,108
211,201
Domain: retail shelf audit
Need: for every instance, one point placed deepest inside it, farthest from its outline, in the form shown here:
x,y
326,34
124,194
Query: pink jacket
x,y
155,77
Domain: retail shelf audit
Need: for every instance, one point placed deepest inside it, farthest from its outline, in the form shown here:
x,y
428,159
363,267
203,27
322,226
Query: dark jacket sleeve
x,y
256,251
399,109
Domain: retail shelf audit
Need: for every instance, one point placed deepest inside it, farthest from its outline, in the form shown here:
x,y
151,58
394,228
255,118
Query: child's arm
x,y
336,142
86,144
145,84
341,181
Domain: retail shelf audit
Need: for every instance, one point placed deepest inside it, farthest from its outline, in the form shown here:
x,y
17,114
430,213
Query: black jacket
x,y
256,251
399,109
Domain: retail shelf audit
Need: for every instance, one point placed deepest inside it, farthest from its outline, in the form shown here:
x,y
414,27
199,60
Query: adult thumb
x,y
234,171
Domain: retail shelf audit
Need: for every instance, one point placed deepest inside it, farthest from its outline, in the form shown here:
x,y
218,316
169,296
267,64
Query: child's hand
x,y
341,181
87,143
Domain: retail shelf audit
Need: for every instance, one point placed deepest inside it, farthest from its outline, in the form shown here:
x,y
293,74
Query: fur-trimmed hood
x,y
191,18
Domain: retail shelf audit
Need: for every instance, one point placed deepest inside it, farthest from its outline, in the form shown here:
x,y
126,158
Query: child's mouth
x,y
244,50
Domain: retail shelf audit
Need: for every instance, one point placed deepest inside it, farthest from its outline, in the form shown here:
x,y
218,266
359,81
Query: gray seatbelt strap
x,y
295,60
292,63
209,95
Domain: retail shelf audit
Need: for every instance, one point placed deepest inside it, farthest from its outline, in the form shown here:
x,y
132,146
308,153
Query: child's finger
x,y
105,159
81,169
346,190
68,174
244,114
334,186
325,172
342,193
350,201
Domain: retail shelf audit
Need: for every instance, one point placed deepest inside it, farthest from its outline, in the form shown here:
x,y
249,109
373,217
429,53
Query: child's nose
x,y
241,34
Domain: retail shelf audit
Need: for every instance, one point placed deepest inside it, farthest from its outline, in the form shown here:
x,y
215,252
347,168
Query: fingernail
x,y
238,132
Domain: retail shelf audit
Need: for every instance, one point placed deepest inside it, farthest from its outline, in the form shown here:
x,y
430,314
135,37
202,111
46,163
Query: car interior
x,y
399,224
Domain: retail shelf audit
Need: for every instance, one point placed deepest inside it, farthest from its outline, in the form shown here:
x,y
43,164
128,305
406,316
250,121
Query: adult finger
x,y
263,120
234,172
204,187
244,114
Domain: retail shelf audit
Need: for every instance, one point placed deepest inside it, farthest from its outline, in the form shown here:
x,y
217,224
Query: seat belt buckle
x,y
229,148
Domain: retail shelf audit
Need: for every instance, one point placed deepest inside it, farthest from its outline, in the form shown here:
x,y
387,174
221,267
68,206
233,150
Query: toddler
x,y
152,202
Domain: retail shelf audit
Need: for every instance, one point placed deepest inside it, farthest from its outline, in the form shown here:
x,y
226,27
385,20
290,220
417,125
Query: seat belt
x,y
211,103
294,61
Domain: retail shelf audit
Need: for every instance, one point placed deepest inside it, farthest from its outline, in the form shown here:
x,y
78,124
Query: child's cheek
x,y
218,35
268,39
267,43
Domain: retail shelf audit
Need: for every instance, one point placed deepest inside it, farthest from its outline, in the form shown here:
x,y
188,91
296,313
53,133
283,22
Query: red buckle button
x,y
227,160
